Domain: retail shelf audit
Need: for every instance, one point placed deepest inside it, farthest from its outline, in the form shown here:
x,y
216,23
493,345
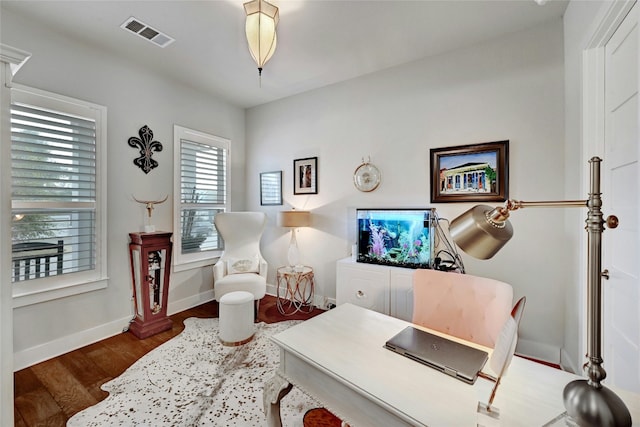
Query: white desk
x,y
338,358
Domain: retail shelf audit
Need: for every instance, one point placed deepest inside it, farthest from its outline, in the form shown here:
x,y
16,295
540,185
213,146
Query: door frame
x,y
593,120
11,59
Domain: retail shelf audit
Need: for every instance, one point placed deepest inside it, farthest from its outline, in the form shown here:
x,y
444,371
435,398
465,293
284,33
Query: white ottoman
x,y
235,311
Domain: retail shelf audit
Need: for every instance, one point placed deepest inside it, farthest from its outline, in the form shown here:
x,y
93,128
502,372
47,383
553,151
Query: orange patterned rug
x,y
320,417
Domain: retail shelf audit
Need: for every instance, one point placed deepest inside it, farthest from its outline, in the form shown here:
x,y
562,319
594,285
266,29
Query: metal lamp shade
x,y
476,234
262,20
294,218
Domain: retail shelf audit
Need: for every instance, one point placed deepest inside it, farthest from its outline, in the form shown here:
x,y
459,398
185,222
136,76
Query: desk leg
x,y
274,390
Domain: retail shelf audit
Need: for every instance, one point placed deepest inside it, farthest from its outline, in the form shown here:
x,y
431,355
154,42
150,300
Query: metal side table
x,y
294,290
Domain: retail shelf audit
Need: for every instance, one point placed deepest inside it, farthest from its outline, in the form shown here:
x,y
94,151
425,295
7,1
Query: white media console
x,y
385,289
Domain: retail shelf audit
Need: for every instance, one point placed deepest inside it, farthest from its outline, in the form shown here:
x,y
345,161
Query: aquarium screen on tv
x,y
396,237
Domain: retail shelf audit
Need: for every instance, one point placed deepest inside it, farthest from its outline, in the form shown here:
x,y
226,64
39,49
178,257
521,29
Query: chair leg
x,y
256,310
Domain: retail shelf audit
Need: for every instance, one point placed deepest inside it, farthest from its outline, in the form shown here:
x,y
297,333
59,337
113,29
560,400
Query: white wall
x,y
134,98
511,88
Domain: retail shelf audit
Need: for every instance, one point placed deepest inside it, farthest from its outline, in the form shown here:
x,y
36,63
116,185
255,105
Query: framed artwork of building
x,y
470,173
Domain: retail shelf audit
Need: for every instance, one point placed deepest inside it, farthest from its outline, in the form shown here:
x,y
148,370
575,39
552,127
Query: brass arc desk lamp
x,y
482,231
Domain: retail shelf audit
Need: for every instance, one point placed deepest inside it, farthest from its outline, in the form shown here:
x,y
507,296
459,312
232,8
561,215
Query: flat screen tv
x,y
396,237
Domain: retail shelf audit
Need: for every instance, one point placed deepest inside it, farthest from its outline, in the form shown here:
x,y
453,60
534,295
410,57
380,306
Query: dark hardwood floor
x,y
49,393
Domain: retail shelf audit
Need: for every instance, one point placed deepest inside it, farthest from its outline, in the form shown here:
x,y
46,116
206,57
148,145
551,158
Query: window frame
x,y
48,288
181,261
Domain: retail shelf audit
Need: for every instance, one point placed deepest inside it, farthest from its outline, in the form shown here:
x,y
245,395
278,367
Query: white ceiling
x,y
320,42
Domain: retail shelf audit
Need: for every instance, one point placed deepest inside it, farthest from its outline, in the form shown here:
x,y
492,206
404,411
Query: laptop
x,y
455,359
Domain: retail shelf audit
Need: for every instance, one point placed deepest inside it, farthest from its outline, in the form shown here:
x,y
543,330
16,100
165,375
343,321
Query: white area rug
x,y
193,380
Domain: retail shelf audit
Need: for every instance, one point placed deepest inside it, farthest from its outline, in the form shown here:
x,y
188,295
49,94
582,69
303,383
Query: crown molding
x,y
15,57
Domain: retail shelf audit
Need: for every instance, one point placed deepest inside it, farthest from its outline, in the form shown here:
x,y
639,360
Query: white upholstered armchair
x,y
241,266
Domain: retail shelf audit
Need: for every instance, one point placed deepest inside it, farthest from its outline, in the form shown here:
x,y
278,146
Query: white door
x,y
621,337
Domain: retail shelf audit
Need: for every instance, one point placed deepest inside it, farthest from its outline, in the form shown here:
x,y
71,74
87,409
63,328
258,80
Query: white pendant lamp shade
x,y
262,20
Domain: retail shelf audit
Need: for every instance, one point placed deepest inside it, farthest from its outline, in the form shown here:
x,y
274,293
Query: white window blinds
x,y
203,186
202,193
53,168
203,173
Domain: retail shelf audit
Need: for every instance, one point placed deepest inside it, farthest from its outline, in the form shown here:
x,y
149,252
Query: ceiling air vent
x,y
146,32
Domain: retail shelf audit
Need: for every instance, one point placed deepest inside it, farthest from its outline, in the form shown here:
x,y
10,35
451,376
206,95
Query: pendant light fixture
x,y
262,20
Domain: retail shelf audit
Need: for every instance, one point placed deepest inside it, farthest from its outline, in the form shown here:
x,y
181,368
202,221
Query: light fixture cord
x,y
260,46
449,248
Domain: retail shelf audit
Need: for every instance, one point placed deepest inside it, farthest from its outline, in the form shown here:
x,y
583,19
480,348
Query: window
x,y
56,186
202,168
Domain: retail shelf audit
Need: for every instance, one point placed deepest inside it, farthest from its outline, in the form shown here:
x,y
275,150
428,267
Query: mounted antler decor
x,y
147,146
150,205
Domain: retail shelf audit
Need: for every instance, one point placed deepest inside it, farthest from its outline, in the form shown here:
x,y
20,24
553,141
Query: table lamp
x,y
482,231
294,219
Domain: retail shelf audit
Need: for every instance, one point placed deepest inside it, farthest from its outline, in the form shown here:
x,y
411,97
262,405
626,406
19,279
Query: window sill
x,y
25,298
194,264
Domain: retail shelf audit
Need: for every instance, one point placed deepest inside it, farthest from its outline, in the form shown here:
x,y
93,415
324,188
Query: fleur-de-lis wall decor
x,y
147,146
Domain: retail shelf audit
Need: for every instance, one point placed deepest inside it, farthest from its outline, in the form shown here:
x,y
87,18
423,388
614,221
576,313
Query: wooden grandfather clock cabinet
x,y
150,256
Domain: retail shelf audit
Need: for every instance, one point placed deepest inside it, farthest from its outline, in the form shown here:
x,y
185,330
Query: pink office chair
x,y
468,307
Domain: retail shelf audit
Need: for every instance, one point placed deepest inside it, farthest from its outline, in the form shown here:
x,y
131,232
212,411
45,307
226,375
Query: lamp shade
x,y
262,20
294,218
479,234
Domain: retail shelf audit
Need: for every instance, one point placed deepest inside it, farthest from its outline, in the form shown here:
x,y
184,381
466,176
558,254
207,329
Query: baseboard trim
x,y
30,356
271,289
319,301
190,302
567,364
539,351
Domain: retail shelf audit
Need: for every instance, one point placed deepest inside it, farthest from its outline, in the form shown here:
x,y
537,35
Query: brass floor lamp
x,y
482,231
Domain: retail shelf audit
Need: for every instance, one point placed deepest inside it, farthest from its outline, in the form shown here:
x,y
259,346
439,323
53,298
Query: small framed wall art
x,y
305,176
470,173
271,188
